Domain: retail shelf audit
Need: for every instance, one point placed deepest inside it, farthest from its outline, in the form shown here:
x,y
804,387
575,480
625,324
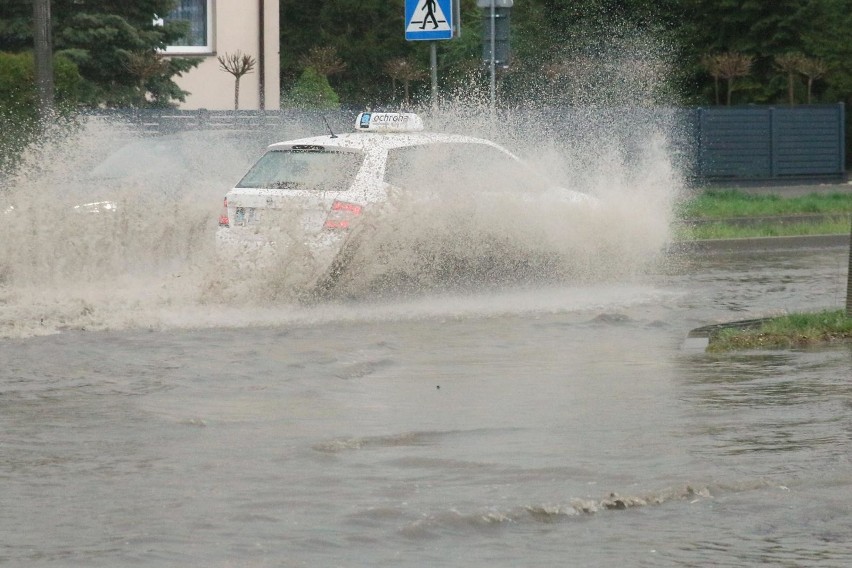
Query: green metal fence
x,y
759,142
803,142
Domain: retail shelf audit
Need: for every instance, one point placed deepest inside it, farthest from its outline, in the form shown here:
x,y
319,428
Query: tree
x,y
323,60
405,70
733,66
16,25
237,64
17,84
144,65
312,91
363,33
790,63
102,45
102,37
19,118
813,69
712,64
619,36
761,30
300,29
828,40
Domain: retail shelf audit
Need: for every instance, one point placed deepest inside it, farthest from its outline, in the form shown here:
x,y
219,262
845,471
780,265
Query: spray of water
x,y
146,258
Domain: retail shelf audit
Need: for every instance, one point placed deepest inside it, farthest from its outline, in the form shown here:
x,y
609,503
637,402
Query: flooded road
x,y
553,426
157,409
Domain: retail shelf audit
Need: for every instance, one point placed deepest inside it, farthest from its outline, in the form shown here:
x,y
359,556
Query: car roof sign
x,y
388,122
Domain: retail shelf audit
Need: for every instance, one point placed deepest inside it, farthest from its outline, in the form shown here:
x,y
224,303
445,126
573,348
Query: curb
x,y
762,244
708,330
772,219
782,190
699,338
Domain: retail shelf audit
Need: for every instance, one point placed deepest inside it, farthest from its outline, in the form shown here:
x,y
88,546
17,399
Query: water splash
x,y
152,263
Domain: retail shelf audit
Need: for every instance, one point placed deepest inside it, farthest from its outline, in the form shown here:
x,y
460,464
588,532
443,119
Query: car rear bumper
x,y
238,245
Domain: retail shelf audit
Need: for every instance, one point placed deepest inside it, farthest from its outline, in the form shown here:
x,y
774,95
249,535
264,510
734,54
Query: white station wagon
x,y
317,192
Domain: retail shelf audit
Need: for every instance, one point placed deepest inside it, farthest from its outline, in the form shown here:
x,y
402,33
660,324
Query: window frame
x,y
208,49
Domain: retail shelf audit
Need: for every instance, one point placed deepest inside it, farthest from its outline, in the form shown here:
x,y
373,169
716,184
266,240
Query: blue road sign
x,y
428,19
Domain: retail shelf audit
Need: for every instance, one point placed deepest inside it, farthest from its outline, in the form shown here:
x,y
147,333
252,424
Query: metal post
x,y
43,56
261,55
433,60
457,18
493,65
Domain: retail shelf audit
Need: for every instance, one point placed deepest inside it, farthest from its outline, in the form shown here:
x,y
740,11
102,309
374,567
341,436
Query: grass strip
x,y
784,332
722,214
732,203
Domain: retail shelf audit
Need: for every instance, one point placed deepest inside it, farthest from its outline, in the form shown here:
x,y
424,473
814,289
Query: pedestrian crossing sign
x,y
428,19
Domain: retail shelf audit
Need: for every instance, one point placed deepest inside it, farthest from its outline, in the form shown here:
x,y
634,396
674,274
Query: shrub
x,y
19,113
312,91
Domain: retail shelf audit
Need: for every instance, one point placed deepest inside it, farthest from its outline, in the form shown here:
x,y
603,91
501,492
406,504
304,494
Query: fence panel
x,y
718,143
808,141
735,143
771,142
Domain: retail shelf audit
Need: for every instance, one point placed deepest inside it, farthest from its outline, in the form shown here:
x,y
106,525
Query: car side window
x,y
452,165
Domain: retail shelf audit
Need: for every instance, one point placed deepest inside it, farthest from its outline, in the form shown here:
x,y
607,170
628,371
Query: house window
x,y
199,14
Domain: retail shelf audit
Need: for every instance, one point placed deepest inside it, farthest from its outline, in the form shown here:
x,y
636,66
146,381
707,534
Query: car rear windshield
x,y
309,167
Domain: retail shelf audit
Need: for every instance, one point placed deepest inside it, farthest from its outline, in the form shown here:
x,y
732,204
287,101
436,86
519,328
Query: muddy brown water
x,y
561,425
159,409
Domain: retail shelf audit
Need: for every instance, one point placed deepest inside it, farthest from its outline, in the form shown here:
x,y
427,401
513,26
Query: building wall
x,y
236,25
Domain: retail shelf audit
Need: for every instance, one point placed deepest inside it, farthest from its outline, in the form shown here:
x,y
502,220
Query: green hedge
x,y
19,113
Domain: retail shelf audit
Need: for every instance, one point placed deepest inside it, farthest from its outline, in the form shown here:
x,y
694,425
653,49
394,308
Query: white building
x,y
220,27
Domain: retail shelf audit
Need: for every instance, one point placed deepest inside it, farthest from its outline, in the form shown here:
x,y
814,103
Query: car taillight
x,y
223,218
341,215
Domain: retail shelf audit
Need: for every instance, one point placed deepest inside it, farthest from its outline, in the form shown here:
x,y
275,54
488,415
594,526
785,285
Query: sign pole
x,y
493,65
431,20
433,61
